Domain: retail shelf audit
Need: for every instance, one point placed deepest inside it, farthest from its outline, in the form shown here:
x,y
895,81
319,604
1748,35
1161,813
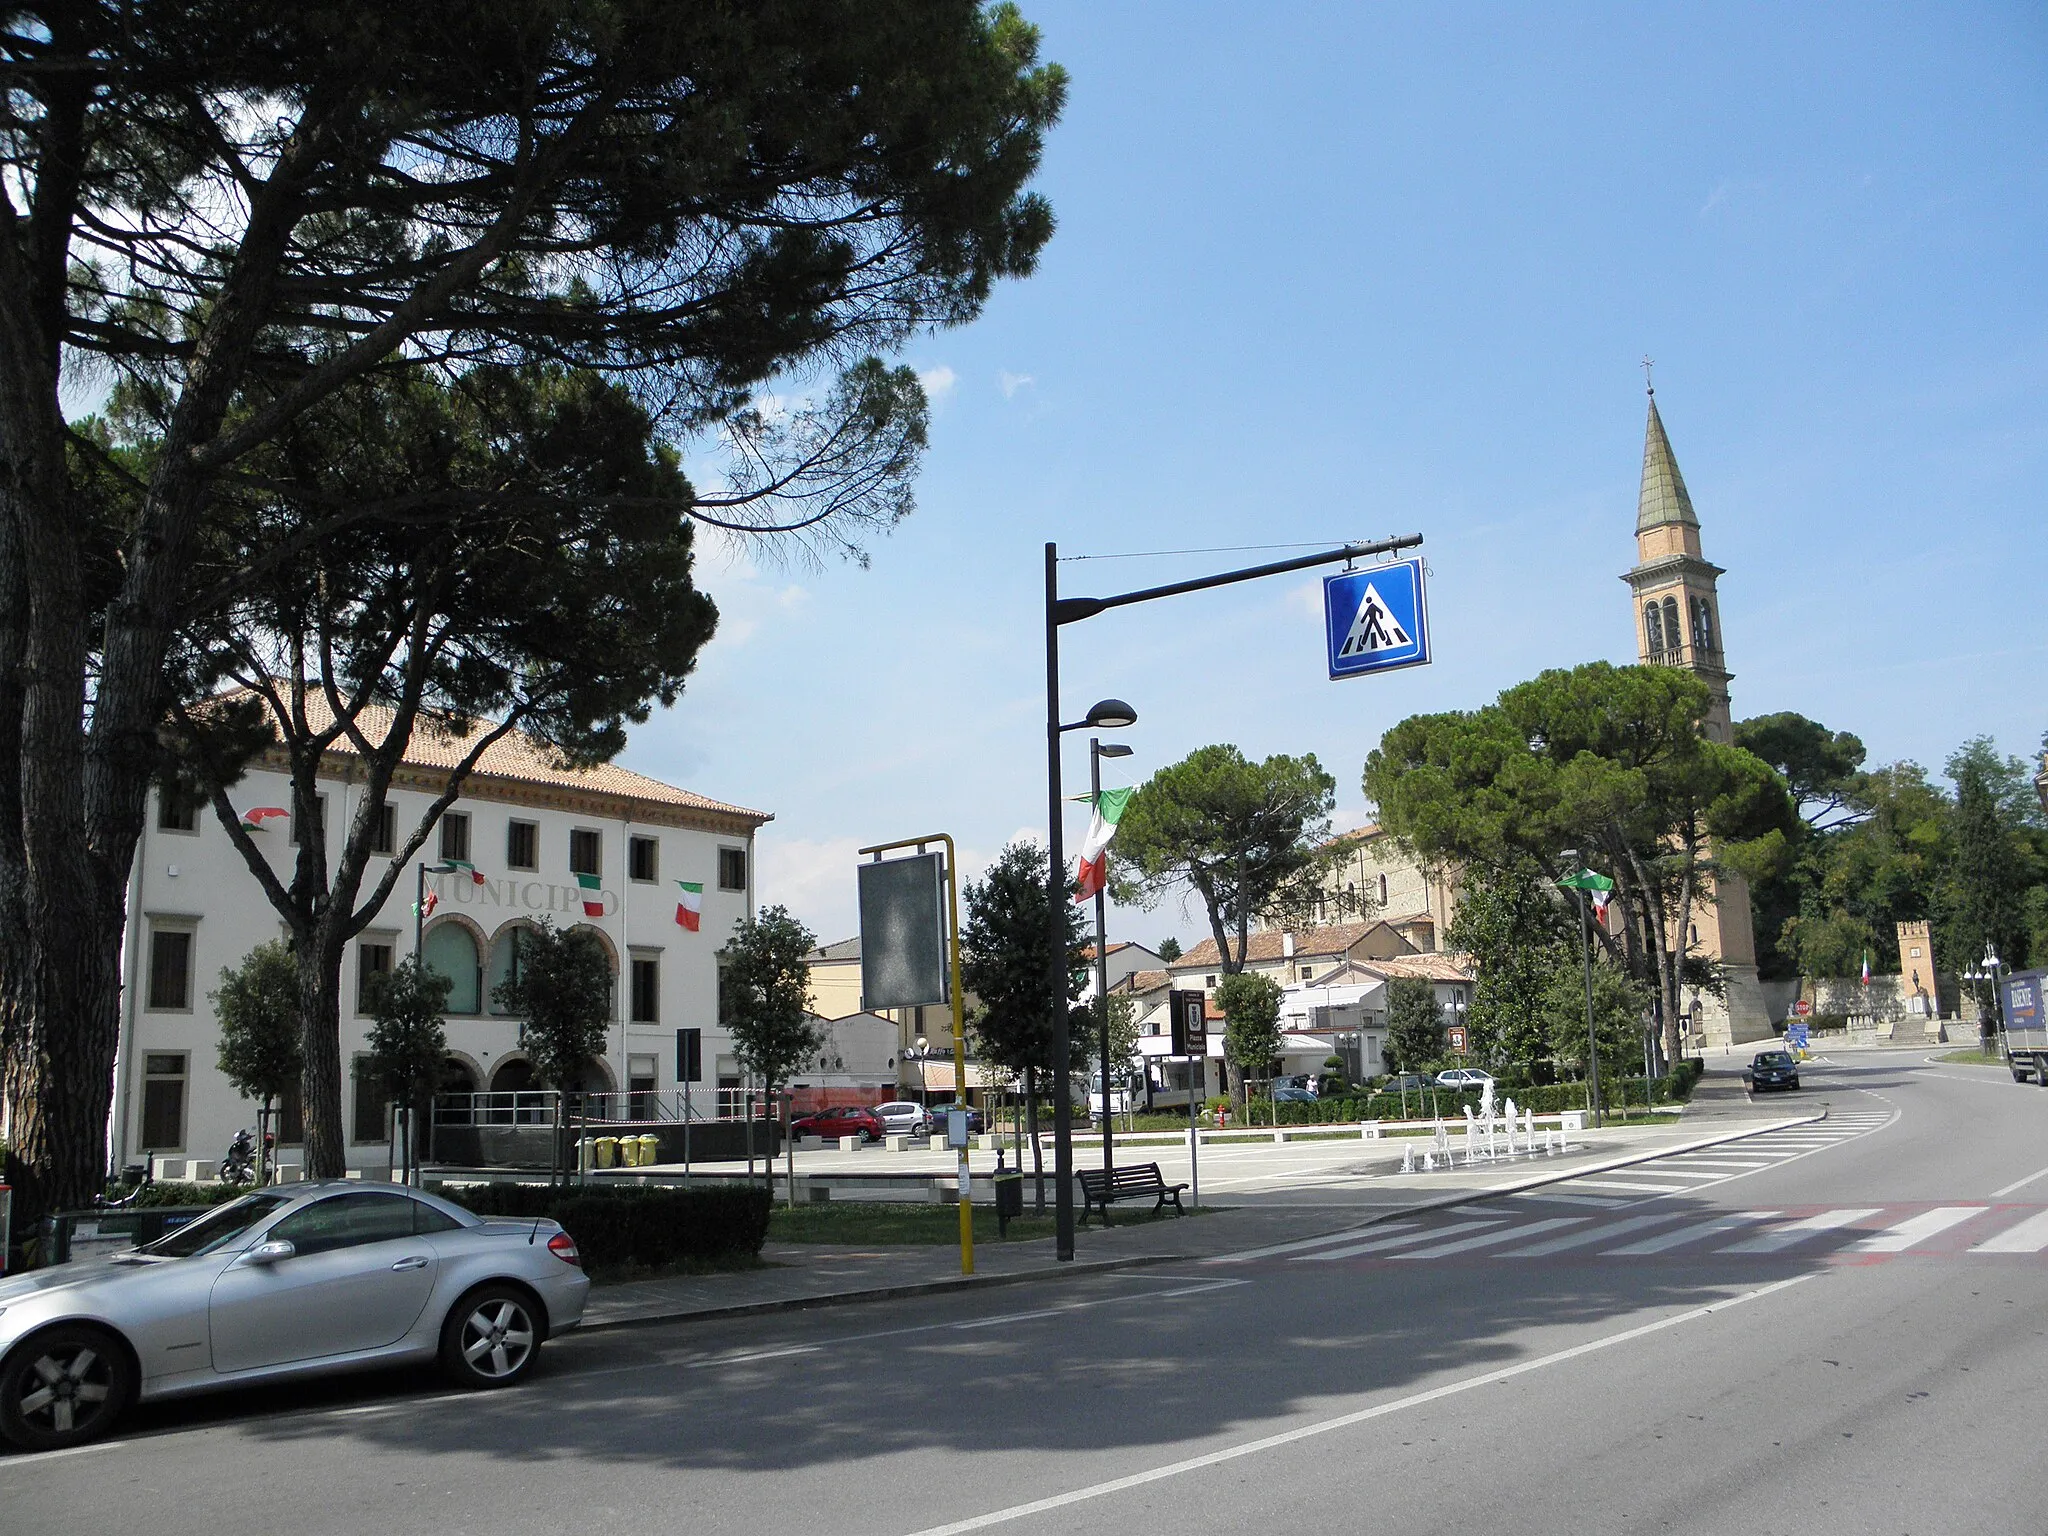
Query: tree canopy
x,y
1004,961
1250,1002
767,996
1250,839
561,991
1415,1024
257,1007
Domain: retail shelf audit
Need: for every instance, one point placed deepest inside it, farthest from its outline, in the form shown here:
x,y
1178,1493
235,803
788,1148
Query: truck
x,y
2026,1026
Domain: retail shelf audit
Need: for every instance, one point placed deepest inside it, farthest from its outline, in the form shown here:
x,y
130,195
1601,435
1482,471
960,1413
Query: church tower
x,y
1678,624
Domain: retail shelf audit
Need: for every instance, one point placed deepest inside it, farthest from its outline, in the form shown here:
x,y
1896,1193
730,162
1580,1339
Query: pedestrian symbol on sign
x,y
1372,627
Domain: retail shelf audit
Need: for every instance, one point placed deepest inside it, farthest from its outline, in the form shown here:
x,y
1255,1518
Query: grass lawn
x,y
875,1222
1974,1058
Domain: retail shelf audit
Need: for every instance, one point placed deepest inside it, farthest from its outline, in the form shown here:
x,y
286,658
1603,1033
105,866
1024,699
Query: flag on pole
x,y
463,866
253,819
1588,880
425,907
593,895
1866,967
690,905
1091,871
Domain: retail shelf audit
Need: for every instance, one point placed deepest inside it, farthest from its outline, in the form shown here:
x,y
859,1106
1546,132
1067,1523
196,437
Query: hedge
x,y
1544,1099
617,1226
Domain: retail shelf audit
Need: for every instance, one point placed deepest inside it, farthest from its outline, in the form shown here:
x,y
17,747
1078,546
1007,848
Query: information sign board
x,y
1376,619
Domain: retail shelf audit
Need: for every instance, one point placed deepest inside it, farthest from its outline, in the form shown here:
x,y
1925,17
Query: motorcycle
x,y
238,1166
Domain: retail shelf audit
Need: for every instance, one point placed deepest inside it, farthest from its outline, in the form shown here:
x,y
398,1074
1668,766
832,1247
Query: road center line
x,y
1347,1420
1998,1194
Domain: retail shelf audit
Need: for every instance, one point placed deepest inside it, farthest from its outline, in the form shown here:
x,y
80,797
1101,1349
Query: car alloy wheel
x,y
63,1387
490,1339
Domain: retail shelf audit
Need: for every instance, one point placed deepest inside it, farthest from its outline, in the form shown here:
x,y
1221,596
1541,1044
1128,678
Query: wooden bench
x,y
1099,1190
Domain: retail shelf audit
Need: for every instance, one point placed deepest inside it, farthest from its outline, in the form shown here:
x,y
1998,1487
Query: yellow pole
x,y
959,1001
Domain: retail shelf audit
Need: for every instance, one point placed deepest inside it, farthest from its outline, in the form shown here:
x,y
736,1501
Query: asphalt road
x,y
1835,1328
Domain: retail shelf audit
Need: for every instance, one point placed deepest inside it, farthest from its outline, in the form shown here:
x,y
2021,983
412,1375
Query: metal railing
x,y
528,1106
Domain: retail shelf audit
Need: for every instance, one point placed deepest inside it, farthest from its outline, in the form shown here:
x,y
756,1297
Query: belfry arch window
x,y
1653,629
1702,625
1674,637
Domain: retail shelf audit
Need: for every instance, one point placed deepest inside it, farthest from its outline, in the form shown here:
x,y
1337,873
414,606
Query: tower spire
x,y
1663,498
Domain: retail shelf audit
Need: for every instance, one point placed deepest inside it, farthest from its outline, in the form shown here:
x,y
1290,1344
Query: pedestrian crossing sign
x,y
1377,619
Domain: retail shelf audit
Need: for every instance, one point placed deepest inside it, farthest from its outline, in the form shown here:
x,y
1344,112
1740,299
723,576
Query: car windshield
x,y
1774,1059
216,1229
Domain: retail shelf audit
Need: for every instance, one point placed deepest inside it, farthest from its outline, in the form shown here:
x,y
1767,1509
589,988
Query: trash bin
x,y
1009,1199
607,1151
586,1154
650,1151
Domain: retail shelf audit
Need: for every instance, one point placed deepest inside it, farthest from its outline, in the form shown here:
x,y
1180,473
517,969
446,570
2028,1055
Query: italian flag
x,y
593,895
425,907
690,905
1866,967
1091,871
253,819
463,866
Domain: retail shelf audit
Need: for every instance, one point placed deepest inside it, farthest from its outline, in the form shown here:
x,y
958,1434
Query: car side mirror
x,y
270,1252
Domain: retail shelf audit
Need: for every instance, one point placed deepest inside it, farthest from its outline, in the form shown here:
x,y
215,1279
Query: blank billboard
x,y
903,933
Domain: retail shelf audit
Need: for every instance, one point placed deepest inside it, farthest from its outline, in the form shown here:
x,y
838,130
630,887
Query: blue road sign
x,y
1797,1034
1377,619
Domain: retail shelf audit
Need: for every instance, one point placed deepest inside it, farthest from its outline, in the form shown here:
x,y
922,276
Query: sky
x,y
1326,273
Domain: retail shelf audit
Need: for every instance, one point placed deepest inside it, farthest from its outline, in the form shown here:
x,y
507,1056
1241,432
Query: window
x,y
373,964
731,1102
504,967
586,852
643,858
450,950
372,1118
1307,971
319,818
163,1101
646,989
346,1221
1383,890
455,836
641,1083
732,869
522,845
385,838
1653,629
177,807
1674,637
1208,981
1703,625
170,969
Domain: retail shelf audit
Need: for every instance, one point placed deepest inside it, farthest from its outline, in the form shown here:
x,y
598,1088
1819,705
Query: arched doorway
x,y
454,1098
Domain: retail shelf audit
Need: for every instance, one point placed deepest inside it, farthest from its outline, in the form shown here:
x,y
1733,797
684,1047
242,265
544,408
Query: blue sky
x,y
1331,272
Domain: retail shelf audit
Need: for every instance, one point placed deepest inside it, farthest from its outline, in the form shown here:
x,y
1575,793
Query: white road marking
x,y
1798,1231
1603,1202
1347,1420
1699,1229
1486,1239
1644,1188
1915,1229
1599,1234
1394,1242
749,1359
1999,1194
1300,1244
2029,1236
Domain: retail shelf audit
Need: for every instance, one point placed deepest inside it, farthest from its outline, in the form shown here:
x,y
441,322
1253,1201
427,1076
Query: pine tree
x,y
1415,1024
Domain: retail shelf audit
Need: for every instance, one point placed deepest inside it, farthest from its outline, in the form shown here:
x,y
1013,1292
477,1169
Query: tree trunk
x,y
320,1076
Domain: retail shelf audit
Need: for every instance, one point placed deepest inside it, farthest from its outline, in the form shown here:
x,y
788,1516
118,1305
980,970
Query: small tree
x,y
767,994
1415,1024
258,1009
407,1042
1251,1024
1169,949
1618,1007
562,988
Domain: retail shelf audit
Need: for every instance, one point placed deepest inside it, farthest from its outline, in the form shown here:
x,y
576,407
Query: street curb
x,y
872,1293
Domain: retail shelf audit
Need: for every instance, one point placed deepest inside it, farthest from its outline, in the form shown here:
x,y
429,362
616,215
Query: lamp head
x,y
1112,715
1111,749
923,1044
1990,957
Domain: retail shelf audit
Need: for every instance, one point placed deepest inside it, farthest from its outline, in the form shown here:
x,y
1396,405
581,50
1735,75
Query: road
x,y
1834,1328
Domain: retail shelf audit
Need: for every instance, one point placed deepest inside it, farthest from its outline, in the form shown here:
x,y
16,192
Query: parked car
x,y
900,1117
1772,1069
1293,1096
1464,1079
938,1113
1406,1082
845,1120
280,1283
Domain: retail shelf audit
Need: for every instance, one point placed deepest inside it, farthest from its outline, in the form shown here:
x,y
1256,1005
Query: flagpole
x,y
1101,955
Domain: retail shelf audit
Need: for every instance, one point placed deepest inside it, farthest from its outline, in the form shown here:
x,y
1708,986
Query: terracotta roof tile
x,y
1265,946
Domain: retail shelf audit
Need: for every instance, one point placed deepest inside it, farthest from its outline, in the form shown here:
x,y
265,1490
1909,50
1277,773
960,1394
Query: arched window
x,y
451,952
1702,625
1653,630
504,966
1674,637
1383,890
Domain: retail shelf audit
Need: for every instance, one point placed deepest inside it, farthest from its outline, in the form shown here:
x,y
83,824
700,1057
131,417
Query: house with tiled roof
x,y
659,873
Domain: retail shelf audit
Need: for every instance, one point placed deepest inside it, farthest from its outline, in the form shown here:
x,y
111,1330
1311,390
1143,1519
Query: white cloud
x,y
938,382
1012,382
814,879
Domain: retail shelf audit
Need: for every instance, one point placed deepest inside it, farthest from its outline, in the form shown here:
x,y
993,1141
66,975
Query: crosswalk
x,y
1518,1228
1689,1172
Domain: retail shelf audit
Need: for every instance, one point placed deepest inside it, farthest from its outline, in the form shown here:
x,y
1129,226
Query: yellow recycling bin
x,y
607,1151
650,1151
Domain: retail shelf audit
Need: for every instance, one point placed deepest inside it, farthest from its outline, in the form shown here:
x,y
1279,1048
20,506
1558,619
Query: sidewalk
x,y
806,1275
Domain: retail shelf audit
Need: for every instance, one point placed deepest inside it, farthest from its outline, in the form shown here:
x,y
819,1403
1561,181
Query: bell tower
x,y
1678,624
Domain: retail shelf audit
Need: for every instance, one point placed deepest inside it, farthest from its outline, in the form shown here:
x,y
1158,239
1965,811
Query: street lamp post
x,y
1096,753
1072,610
1571,856
1997,1016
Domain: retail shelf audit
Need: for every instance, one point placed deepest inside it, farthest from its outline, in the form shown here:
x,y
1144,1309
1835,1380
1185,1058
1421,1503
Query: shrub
x,y
620,1225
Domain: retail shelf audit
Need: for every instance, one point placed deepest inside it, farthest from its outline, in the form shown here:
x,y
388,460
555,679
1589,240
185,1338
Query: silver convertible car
x,y
282,1282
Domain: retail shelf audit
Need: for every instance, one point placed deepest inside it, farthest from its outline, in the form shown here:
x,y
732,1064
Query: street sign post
x,y
1187,1013
1377,619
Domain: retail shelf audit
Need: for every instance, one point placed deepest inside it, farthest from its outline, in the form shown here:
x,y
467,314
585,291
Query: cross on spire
x,y
1648,382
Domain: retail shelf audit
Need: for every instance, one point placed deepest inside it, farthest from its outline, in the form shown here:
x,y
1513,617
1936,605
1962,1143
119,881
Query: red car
x,y
846,1120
